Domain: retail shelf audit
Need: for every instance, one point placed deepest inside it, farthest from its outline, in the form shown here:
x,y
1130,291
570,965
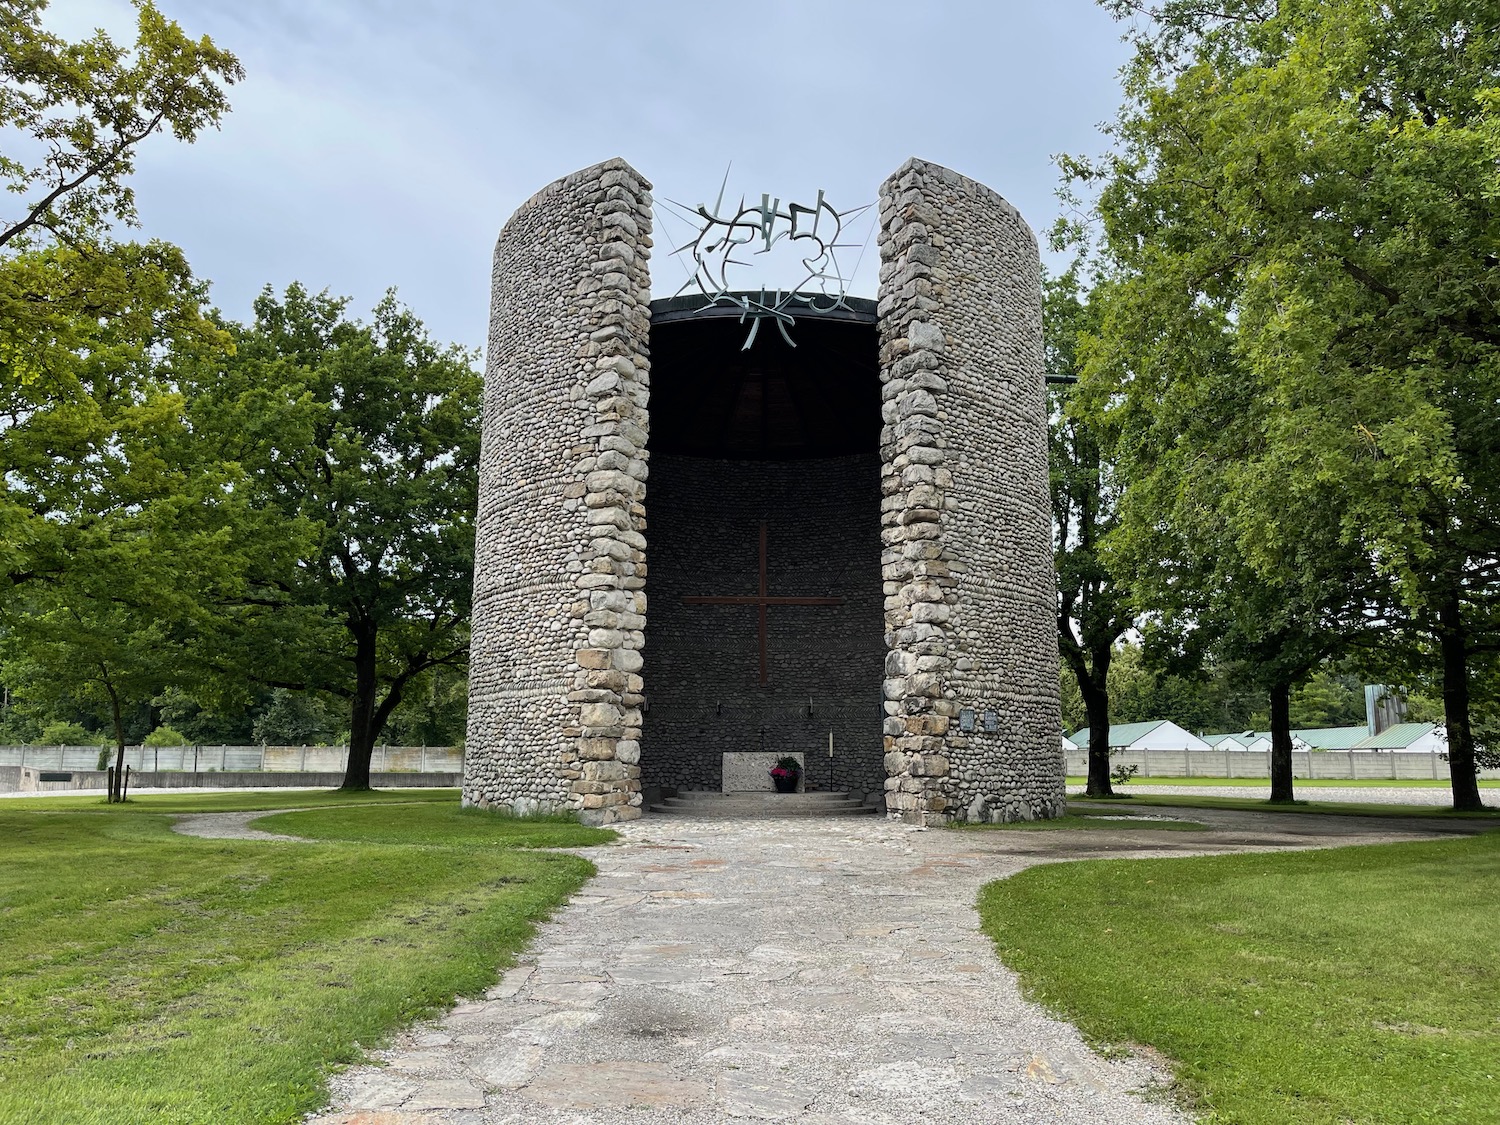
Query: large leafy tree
x,y
116,532
90,511
1309,188
359,443
1093,604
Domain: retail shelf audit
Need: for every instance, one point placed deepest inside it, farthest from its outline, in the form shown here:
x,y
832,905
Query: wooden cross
x,y
762,600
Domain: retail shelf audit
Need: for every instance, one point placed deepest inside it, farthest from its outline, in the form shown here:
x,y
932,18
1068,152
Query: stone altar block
x,y
750,772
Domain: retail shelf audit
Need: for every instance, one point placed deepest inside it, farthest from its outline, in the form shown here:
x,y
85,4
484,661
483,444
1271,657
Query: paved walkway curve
x,y
825,972
232,826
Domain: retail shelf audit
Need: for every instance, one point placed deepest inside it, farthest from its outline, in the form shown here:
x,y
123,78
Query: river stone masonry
x,y
556,691
560,566
967,562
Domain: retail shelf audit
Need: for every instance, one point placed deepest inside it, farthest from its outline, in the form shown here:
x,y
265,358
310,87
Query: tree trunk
x,y
362,728
1453,644
117,790
1281,744
1096,707
367,718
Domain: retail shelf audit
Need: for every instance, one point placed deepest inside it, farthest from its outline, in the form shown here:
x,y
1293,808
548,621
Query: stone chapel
x,y
833,543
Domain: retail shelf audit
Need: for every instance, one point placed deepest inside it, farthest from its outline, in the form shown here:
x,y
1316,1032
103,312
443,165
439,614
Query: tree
x,y
83,108
294,718
1328,699
1093,605
84,324
115,532
360,444
1308,188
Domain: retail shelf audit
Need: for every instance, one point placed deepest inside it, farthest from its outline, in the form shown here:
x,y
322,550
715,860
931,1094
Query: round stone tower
x,y
874,487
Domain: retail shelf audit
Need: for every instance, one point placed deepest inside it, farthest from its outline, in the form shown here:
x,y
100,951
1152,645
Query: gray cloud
x,y
383,143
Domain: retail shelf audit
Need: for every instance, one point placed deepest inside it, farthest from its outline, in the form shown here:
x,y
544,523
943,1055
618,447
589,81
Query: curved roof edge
x,y
694,306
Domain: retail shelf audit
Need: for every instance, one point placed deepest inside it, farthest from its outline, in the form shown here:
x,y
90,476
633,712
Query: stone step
x,y
751,806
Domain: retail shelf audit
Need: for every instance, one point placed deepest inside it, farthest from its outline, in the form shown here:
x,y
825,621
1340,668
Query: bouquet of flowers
x,y
785,774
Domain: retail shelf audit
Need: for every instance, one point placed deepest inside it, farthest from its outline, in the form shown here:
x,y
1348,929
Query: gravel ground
x,y
231,826
1383,795
827,972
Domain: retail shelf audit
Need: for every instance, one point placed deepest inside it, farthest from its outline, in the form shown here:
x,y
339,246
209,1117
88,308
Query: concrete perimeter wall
x,y
204,759
1322,764
970,590
25,779
560,566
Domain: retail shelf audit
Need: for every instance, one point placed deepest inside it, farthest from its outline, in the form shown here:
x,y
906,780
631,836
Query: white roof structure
x,y
1160,735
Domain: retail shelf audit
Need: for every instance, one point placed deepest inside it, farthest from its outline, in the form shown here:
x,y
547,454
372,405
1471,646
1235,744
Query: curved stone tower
x,y
559,574
971,592
968,703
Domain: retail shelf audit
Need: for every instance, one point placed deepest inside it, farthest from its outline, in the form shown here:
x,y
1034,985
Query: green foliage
x,y
294,718
68,734
1122,773
240,974
1215,697
164,736
1094,606
359,444
202,726
76,112
1304,989
1298,344
1329,699
94,485
434,710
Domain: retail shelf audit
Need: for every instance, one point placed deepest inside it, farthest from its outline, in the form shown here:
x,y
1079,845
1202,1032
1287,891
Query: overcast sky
x,y
379,143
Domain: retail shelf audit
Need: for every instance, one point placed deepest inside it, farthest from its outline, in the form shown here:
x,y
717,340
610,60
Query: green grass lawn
x,y
1258,804
1108,819
152,977
1353,986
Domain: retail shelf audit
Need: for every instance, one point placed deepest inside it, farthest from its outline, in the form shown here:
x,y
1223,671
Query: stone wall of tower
x,y
970,590
559,585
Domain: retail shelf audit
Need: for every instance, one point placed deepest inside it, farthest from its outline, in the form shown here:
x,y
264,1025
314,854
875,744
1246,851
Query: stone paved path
x,y
824,972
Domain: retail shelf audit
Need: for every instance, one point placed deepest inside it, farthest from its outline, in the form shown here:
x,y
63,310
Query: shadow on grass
x,y
1114,820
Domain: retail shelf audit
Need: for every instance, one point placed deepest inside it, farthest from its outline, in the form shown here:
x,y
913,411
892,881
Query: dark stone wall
x,y
702,661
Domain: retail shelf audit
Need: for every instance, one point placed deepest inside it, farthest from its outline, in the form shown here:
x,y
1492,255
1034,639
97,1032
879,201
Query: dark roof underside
x,y
712,398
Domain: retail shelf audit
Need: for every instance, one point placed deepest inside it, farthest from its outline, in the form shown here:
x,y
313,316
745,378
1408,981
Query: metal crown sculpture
x,y
816,229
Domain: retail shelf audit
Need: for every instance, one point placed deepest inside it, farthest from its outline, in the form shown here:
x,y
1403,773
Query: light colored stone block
x,y
750,772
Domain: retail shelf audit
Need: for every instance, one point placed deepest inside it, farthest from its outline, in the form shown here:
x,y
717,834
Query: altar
x,y
750,771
